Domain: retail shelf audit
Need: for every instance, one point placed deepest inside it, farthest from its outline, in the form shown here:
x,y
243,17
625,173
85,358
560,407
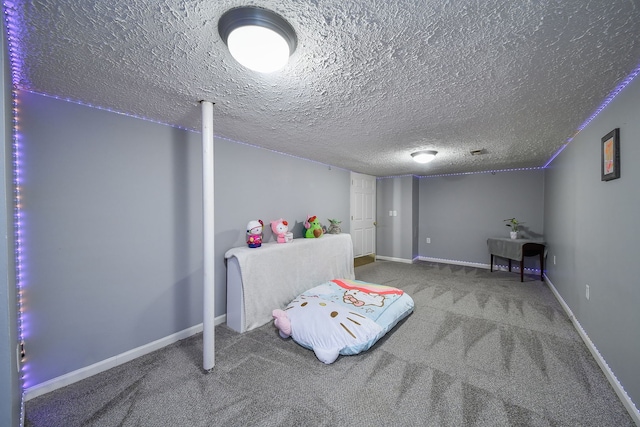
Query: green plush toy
x,y
314,229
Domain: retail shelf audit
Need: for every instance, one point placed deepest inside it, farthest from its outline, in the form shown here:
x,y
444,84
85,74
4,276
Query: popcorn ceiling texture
x,y
370,81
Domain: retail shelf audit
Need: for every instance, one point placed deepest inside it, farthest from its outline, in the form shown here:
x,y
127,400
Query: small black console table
x,y
517,249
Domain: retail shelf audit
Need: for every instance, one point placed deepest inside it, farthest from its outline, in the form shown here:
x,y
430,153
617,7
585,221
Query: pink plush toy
x,y
280,227
254,233
282,322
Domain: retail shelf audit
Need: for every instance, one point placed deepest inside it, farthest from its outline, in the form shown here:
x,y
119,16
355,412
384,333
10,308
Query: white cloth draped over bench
x,y
262,279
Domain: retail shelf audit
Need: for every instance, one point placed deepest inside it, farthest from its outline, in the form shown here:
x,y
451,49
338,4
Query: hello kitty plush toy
x,y
254,233
280,227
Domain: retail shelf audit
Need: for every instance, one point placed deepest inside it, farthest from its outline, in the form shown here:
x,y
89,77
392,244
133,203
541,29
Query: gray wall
x,y
253,183
113,217
113,212
396,235
458,213
10,388
592,228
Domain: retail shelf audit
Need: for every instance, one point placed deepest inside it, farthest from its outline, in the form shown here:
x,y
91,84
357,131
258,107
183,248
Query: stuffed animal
x,y
280,228
314,229
282,322
254,233
334,228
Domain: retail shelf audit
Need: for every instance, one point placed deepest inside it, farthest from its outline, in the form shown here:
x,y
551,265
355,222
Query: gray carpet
x,y
481,349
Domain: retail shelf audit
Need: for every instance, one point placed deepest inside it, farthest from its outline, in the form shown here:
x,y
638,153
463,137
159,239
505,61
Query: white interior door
x,y
363,214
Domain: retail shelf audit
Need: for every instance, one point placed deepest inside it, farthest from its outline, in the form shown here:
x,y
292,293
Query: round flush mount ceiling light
x,y
257,38
424,156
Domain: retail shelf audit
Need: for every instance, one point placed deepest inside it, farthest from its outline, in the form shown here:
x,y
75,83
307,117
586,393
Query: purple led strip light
x,y
97,107
610,98
13,27
18,225
474,173
602,106
15,58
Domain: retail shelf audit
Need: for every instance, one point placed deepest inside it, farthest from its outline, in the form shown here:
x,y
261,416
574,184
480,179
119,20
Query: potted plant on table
x,y
515,226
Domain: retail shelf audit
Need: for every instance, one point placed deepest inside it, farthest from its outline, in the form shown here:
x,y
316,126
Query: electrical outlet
x,y
22,355
428,239
587,292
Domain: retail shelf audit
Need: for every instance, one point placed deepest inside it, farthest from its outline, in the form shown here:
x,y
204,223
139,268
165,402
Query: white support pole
x,y
208,323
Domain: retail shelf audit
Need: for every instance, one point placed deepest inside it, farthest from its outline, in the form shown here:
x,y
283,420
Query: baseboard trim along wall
x,y
389,258
96,368
515,267
454,262
498,267
622,394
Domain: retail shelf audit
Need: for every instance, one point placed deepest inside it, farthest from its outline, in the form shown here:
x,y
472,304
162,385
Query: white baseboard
x,y
622,394
388,258
497,267
454,262
96,368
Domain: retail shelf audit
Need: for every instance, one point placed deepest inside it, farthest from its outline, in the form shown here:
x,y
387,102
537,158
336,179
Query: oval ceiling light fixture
x,y
257,38
424,156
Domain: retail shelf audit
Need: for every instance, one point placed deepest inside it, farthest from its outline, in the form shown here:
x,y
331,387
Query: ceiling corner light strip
x,y
607,101
257,38
610,97
424,156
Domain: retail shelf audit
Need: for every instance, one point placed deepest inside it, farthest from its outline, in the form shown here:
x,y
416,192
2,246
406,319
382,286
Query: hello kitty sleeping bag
x,y
342,316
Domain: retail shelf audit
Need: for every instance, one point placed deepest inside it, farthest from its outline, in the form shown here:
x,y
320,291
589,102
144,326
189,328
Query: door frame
x,y
352,210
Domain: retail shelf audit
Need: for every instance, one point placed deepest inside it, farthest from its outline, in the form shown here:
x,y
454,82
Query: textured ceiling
x,y
370,82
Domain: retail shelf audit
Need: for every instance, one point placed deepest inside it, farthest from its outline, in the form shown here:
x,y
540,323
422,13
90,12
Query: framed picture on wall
x,y
611,155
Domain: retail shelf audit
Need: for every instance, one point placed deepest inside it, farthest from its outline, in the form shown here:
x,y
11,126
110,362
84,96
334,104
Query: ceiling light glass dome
x,y
424,156
257,38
